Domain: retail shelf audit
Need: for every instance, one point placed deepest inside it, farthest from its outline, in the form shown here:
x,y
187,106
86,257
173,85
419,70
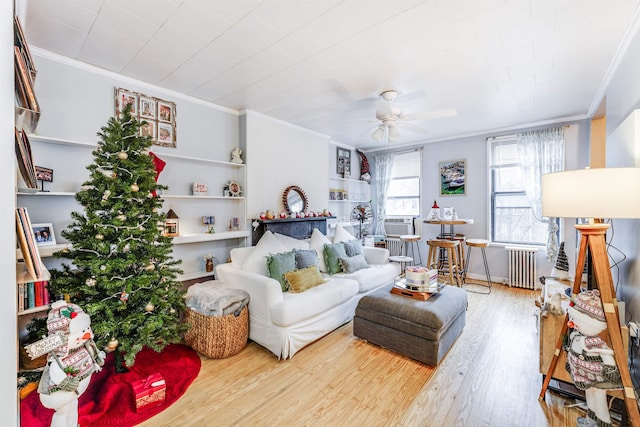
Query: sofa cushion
x,y
302,280
332,254
353,248
279,264
256,262
317,242
306,258
353,263
374,276
291,243
295,308
342,235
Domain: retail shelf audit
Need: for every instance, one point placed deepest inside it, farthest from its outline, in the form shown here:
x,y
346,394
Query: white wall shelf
x,y
186,196
34,310
21,192
209,237
60,141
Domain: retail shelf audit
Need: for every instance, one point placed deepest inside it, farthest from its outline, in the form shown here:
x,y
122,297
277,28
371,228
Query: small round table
x,y
402,260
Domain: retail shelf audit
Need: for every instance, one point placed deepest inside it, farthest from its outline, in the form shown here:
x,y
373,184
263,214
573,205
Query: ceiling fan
x,y
391,116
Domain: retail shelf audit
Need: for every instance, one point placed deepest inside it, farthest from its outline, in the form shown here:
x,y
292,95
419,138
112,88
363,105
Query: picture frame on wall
x,y
124,97
43,234
158,114
453,178
343,160
147,108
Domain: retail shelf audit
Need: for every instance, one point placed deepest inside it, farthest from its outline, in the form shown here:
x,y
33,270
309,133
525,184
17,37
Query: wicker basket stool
x,y
217,337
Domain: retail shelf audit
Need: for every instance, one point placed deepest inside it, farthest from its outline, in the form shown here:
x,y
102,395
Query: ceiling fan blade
x,y
428,115
412,127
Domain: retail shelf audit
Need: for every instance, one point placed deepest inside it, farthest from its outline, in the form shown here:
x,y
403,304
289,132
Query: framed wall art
x,y
452,178
159,115
343,160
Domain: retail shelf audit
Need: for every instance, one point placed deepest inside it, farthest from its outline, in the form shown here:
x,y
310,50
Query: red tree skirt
x,y
109,401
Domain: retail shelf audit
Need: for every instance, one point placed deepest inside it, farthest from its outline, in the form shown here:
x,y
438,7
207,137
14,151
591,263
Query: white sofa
x,y
285,322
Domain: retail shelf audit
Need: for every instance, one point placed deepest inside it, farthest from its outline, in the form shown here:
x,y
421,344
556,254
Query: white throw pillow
x,y
257,261
342,235
291,243
317,242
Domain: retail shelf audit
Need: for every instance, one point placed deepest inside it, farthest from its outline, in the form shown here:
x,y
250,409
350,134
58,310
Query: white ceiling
x,y
321,64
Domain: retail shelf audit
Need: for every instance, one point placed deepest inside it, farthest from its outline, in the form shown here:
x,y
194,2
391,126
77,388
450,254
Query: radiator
x,y
522,267
394,246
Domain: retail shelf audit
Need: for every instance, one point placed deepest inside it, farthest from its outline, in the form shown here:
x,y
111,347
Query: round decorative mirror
x,y
294,199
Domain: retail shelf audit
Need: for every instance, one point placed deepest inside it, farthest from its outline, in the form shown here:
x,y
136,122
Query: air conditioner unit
x,y
398,226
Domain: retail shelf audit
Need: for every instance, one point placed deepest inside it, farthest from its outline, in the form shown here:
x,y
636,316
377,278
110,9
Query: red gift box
x,y
149,392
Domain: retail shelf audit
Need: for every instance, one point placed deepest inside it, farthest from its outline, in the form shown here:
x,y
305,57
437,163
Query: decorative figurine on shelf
x,y
434,213
589,360
208,263
73,358
364,167
235,155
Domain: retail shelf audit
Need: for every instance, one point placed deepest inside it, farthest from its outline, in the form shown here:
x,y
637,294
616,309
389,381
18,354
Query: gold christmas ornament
x,y
123,155
112,344
172,310
135,188
149,308
99,236
150,267
90,282
121,217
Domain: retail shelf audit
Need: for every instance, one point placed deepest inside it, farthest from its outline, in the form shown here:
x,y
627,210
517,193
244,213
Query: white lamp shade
x,y
592,193
394,135
378,134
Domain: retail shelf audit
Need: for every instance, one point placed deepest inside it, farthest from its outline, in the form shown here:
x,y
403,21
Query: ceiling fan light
x,y
378,134
394,135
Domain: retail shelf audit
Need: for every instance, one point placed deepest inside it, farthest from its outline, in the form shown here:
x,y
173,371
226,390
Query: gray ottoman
x,y
421,330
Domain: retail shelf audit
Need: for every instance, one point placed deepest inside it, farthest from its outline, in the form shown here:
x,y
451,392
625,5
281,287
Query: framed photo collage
x,y
159,114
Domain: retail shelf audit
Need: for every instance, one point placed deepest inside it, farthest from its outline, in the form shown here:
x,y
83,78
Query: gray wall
x,y
622,97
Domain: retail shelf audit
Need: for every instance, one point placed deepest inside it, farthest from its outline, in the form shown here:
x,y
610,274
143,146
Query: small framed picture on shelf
x,y
43,234
343,160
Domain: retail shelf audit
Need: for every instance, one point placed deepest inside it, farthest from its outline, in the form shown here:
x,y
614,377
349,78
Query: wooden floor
x,y
489,378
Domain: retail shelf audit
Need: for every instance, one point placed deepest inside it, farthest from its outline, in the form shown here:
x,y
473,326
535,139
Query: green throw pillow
x,y
332,254
354,263
279,264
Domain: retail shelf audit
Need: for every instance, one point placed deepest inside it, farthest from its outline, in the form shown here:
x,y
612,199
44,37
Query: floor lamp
x,y
596,194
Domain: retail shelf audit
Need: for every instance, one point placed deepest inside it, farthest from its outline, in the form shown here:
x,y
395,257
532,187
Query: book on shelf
x,y
20,41
27,244
21,296
23,78
31,295
25,159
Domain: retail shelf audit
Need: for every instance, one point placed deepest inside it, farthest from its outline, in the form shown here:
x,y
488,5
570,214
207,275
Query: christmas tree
x,y
122,275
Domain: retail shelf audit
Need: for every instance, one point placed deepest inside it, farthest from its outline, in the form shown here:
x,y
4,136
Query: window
x,y
512,219
403,196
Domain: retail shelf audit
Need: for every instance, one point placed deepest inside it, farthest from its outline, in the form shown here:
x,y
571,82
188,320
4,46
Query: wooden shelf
x,y
60,141
34,309
194,275
209,237
199,159
24,192
45,251
187,196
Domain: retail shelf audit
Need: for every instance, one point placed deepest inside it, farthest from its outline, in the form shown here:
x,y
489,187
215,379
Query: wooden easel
x,y
593,237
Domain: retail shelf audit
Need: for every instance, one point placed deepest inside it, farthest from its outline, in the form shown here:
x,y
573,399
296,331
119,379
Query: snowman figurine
x,y
589,360
69,367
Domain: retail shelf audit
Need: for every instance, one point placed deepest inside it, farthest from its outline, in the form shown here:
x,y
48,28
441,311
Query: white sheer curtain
x,y
541,152
383,163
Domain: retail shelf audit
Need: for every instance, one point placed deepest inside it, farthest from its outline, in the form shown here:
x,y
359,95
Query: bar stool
x,y
460,238
478,243
412,241
453,267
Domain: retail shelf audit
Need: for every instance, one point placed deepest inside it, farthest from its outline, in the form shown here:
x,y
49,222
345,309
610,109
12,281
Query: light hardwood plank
x,y
489,378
